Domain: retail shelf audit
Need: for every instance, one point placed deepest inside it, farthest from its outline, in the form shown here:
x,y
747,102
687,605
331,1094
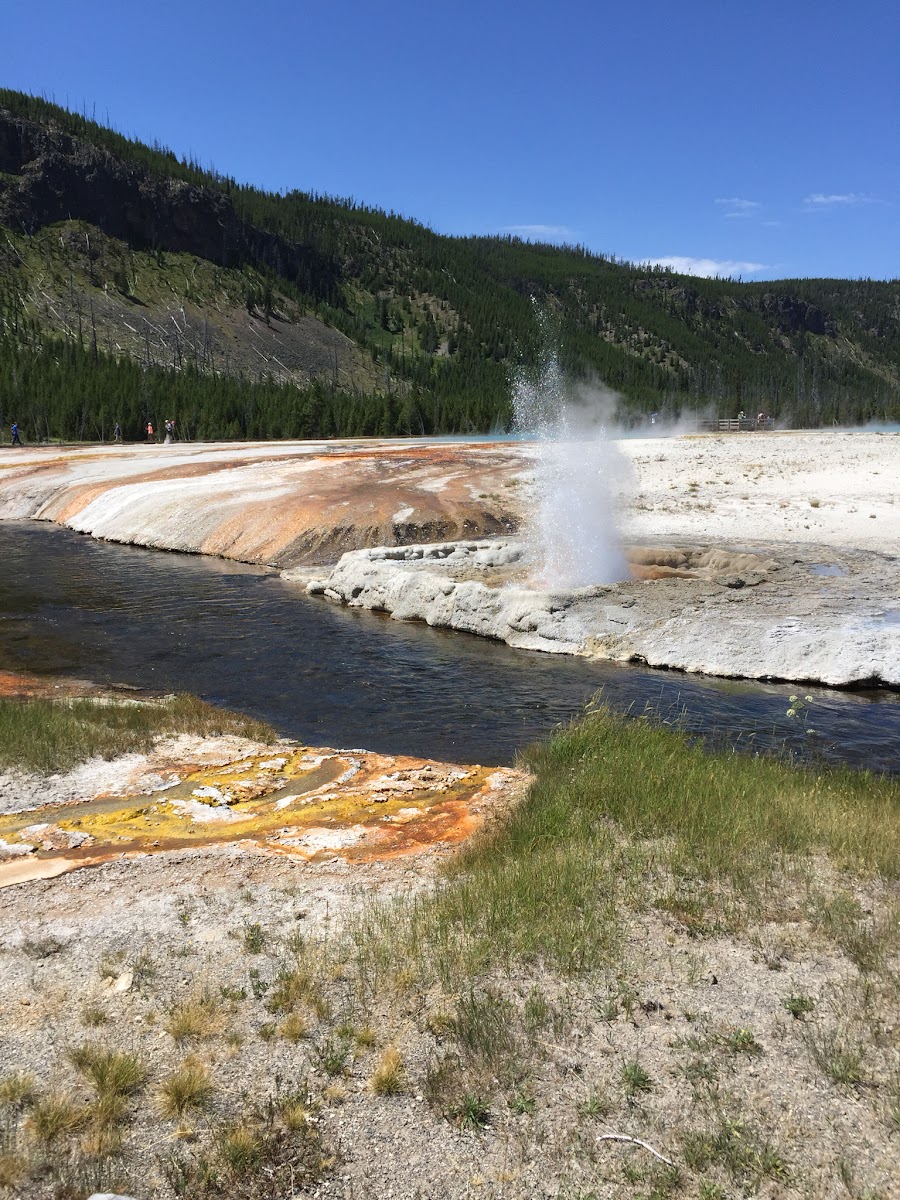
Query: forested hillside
x,y
136,286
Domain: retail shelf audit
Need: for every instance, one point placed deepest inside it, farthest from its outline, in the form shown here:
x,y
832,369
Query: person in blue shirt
x,y
16,440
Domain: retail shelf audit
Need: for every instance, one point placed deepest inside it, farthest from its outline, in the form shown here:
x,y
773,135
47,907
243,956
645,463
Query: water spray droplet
x,y
572,526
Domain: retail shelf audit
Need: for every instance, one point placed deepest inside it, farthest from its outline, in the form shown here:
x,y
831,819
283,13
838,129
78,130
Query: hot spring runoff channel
x,y
241,637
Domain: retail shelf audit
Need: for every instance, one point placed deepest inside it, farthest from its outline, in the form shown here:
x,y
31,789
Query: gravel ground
x,y
702,1016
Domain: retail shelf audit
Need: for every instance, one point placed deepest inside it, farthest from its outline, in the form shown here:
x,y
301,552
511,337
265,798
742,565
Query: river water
x,y
242,637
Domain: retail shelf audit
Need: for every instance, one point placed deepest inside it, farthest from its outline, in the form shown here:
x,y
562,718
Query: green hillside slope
x,y
134,286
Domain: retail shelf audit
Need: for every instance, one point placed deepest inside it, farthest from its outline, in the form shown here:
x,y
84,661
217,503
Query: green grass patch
x,y
624,814
721,812
54,735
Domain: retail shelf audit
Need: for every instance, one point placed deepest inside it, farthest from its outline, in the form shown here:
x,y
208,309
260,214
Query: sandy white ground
x,y
830,488
821,487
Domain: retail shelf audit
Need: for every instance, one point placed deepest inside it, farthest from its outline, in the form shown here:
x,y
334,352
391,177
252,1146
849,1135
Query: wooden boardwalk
x,y
738,425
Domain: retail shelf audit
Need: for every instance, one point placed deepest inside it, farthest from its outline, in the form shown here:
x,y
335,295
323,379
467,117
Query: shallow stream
x,y
242,637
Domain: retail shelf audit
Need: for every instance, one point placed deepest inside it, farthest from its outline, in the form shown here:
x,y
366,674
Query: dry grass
x,y
294,1027
365,1037
113,1074
389,1077
53,1116
296,985
257,1157
12,1169
187,1089
197,1017
17,1089
241,1148
92,1015
296,1115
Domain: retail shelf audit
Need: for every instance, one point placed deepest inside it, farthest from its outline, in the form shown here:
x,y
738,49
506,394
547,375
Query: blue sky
x,y
747,137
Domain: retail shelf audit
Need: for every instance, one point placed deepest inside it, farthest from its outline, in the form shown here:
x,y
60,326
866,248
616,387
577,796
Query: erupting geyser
x,y
573,532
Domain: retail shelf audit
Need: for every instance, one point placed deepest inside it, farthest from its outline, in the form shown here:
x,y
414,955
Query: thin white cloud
x,y
537,230
685,265
737,207
829,200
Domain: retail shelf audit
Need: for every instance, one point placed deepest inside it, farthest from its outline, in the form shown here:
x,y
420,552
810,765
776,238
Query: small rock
x,y
120,984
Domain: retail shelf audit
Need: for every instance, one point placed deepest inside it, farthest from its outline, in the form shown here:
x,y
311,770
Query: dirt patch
x,y
664,562
16,686
690,1044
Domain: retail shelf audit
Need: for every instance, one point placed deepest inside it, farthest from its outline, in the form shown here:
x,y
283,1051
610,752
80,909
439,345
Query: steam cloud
x,y
575,542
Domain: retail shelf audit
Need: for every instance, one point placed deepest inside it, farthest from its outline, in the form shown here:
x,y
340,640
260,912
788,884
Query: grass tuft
x,y
254,937
365,1037
523,1104
199,1016
297,985
92,1015
189,1088
839,1054
53,1116
595,1104
241,1148
112,1073
296,1115
635,1080
17,1089
798,1005
294,1027
389,1077
472,1112
12,1169
333,1054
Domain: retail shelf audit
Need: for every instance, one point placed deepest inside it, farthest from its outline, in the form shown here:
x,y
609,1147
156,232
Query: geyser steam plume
x,y
572,521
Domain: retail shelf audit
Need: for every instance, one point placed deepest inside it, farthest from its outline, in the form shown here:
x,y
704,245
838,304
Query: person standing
x,y
150,437
16,440
117,433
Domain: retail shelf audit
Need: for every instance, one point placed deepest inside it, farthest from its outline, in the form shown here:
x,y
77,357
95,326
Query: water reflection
x,y
242,637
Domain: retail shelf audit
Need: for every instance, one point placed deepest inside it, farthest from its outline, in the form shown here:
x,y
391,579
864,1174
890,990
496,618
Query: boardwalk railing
x,y
738,425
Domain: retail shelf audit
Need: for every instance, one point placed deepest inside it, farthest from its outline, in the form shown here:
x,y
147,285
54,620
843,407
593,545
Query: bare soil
x,y
702,1015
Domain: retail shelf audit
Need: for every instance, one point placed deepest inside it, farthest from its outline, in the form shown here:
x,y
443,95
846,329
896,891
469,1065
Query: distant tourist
x,y
16,440
150,437
170,432
117,433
